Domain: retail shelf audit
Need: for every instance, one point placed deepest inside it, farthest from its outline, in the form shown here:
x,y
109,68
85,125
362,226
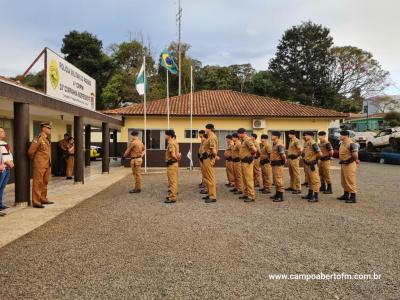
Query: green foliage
x,y
392,119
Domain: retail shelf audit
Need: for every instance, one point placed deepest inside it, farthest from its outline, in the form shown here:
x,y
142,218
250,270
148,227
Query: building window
x,y
155,139
195,134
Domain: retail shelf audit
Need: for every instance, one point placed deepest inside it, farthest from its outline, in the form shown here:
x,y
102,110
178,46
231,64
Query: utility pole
x,y
178,20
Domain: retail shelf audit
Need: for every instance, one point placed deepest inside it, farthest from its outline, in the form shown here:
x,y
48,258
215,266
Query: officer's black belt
x,y
247,159
293,156
229,159
324,158
310,162
236,159
277,163
136,157
171,162
347,161
264,161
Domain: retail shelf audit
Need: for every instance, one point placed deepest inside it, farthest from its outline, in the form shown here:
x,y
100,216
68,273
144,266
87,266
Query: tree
x,y
264,84
353,68
244,73
85,51
35,80
301,64
385,103
392,118
218,78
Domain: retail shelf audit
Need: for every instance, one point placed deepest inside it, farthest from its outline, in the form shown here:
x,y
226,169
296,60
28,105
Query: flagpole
x,y
191,117
167,99
145,114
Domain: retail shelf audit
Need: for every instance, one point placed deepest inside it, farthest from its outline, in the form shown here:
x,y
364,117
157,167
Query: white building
x,y
372,106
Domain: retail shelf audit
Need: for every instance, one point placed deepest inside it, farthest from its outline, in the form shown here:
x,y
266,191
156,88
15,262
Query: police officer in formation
x,y
210,156
256,167
324,163
312,153
229,161
237,165
265,164
294,154
278,160
135,152
172,157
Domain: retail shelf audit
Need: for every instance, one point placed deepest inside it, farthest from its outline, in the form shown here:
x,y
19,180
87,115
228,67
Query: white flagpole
x,y
145,112
167,99
191,117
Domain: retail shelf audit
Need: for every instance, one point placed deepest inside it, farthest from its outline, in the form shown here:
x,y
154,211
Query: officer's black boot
x,y
345,196
279,197
352,198
328,189
274,196
323,187
314,197
309,195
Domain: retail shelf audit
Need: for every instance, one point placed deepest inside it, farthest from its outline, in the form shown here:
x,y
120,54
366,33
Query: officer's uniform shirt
x,y
236,149
346,149
311,149
325,147
294,147
172,151
211,143
137,148
201,147
229,150
246,147
40,150
265,151
277,150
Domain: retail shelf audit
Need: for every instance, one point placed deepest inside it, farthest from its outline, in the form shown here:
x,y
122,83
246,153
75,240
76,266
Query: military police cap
x,y
345,133
170,132
210,126
202,131
276,133
235,135
292,132
241,130
134,133
321,133
310,133
46,124
254,135
264,136
229,137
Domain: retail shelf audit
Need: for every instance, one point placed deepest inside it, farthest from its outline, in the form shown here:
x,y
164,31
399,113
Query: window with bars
x,y
195,134
155,139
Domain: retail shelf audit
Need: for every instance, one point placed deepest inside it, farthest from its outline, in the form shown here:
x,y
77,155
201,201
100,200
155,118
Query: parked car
x,y
386,137
95,152
357,137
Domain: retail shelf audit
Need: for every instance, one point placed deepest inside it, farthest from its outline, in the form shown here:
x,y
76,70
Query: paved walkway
x,y
117,245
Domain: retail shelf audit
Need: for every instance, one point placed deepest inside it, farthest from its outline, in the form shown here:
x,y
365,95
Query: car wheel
x,y
382,160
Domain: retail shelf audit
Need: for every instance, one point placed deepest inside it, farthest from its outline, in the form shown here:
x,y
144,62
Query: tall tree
x,y
302,63
244,73
85,51
353,68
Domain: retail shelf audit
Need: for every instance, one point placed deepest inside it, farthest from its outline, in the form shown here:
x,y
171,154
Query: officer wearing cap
x,y
324,163
312,153
265,164
294,153
211,155
228,161
247,151
348,156
135,152
40,153
278,160
237,166
256,167
202,156
172,157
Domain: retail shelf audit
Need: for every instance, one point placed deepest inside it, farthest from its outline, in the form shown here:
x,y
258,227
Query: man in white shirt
x,y
6,164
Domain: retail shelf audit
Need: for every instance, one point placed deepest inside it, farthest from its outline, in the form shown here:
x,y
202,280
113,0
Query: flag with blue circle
x,y
167,61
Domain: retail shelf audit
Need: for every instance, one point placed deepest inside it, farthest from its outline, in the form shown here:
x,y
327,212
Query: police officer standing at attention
x,y
136,152
324,163
265,164
237,165
312,153
40,152
294,152
210,156
172,157
247,152
348,156
229,162
203,155
256,168
199,154
278,160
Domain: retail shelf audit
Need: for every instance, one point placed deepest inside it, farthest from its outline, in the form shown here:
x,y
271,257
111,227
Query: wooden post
x,y
105,164
79,154
88,131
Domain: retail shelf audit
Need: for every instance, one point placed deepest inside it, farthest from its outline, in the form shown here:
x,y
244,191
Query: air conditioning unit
x,y
258,124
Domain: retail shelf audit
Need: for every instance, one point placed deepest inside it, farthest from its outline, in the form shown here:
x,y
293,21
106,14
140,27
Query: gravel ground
x,y
121,246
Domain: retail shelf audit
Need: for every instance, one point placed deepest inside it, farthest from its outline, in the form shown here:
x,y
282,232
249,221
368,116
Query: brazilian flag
x,y
168,62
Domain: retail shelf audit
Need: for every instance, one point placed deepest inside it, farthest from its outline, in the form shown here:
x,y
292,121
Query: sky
x,y
221,32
